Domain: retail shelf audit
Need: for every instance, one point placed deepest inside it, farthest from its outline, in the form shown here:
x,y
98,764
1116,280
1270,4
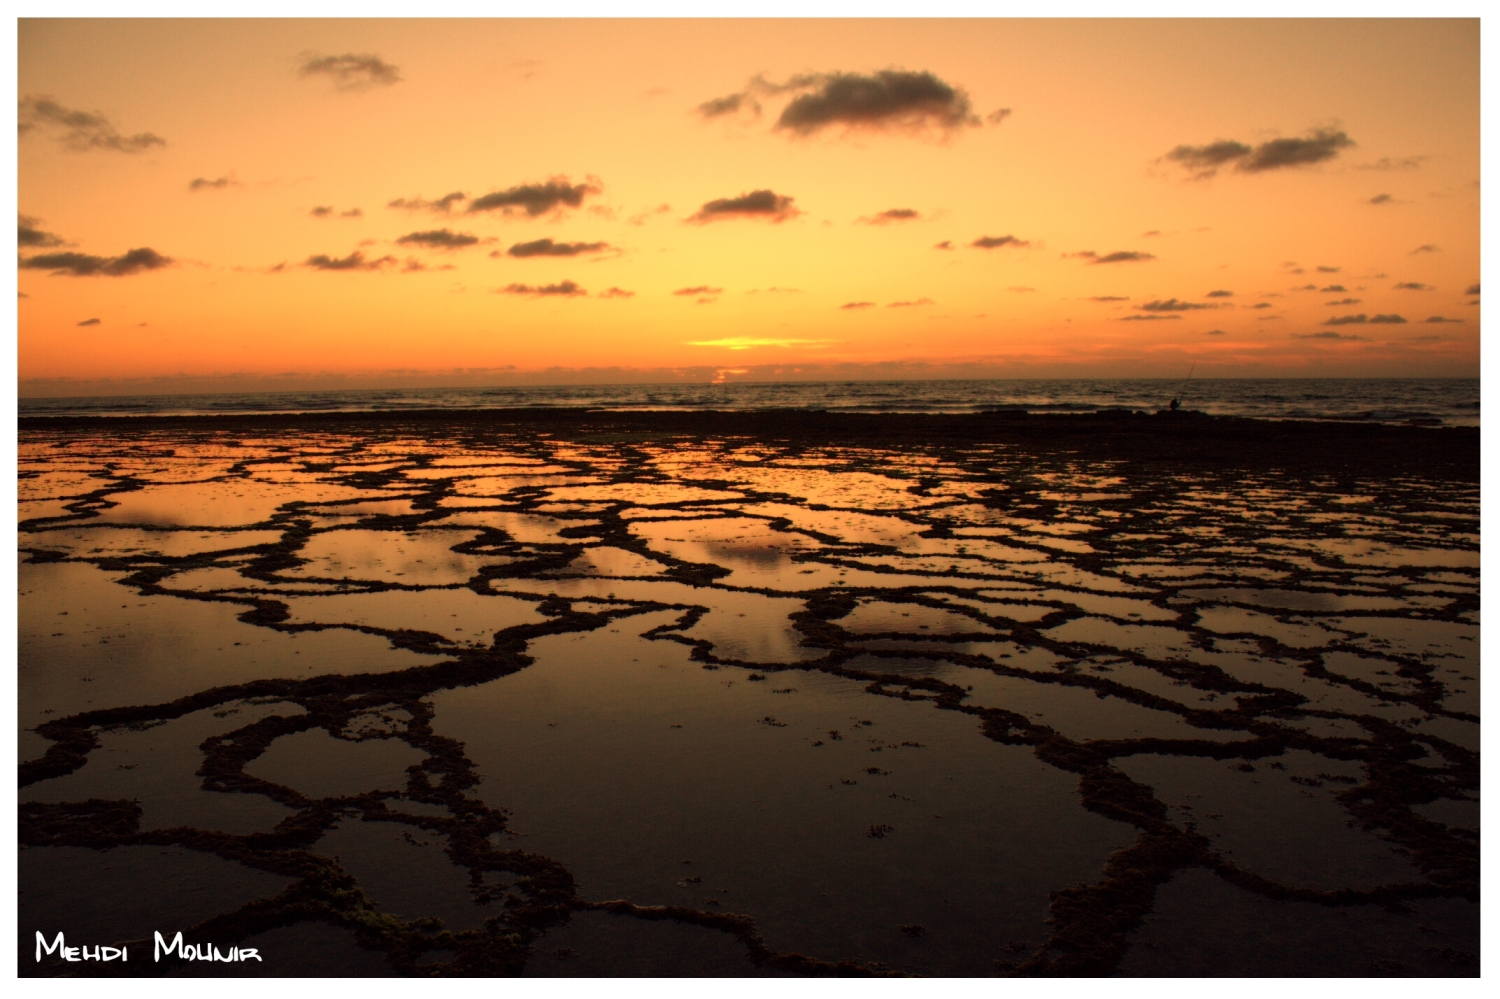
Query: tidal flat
x,y
604,694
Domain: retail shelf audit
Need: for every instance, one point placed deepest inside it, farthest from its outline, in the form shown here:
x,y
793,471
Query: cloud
x,y
79,131
1392,318
1333,289
1440,319
1425,248
1149,318
414,265
1345,301
1327,270
442,206
1381,199
353,262
616,293
857,305
88,322
892,215
1173,305
763,204
1362,318
886,100
1205,161
1260,305
920,301
1386,163
729,104
537,199
1219,293
547,248
1214,333
991,242
1117,257
438,239
85,265
1306,287
28,233
699,289
1472,289
321,211
218,184
997,116
946,244
1109,298
564,289
641,218
1414,286
1326,335
353,213
352,72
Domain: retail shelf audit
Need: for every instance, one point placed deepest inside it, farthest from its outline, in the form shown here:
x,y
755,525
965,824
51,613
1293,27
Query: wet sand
x,y
569,693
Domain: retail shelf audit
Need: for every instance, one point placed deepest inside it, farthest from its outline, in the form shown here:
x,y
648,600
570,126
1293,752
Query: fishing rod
x,y
1177,399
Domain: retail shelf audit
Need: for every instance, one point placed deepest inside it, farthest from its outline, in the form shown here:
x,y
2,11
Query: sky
x,y
230,205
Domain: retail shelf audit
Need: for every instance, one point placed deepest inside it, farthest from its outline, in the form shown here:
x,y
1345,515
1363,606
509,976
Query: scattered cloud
x,y
1326,335
640,218
85,265
1260,305
1214,333
537,199
79,131
857,305
1333,289
1381,199
1414,286
1110,298
997,116
1425,248
1386,163
902,305
1472,289
892,215
1440,319
564,289
946,244
1322,269
1392,318
29,233
353,213
1117,257
352,72
321,211
1205,161
729,104
438,239
1146,318
886,100
1345,301
1219,293
1389,318
992,242
217,184
763,204
1306,287
353,262
88,322
699,289
413,265
616,293
442,206
547,248
1173,305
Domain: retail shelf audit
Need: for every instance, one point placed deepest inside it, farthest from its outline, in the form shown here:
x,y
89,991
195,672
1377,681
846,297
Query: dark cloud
x,y
1327,270
893,215
564,289
857,305
699,289
29,233
1345,301
1425,248
1260,305
997,116
1346,320
442,206
992,242
1306,287
353,213
1333,289
79,130
1392,319
85,265
1472,289
920,301
729,104
89,322
352,72
1414,286
1381,199
438,239
547,248
1173,305
616,293
1214,333
1440,319
763,204
946,244
1147,318
217,184
1219,293
353,262
321,211
1205,161
1326,335
1386,163
1109,298
1117,257
537,199
887,99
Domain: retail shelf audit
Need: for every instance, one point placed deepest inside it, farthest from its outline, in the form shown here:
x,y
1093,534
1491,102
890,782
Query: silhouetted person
x,y
1175,405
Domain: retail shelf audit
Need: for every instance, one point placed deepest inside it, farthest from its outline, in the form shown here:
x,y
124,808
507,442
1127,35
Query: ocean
x,y
1449,401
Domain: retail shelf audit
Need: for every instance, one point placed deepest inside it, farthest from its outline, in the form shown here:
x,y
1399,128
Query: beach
x,y
570,692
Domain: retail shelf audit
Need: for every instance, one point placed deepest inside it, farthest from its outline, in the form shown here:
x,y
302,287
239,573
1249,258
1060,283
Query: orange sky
x,y
1344,159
